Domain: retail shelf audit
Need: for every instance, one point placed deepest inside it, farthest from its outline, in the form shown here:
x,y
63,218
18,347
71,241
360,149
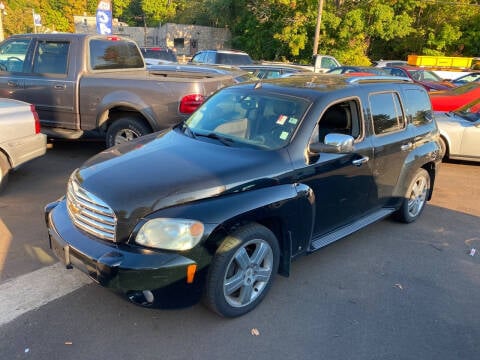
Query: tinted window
x,y
120,54
160,54
418,107
51,57
12,54
386,113
233,59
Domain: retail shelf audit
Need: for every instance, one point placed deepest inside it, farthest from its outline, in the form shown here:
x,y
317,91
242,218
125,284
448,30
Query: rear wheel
x,y
4,169
415,198
242,271
125,129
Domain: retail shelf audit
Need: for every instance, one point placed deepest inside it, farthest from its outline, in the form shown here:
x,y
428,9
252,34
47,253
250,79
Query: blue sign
x,y
104,17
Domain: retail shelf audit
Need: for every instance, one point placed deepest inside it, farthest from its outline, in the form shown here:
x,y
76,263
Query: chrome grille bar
x,y
89,213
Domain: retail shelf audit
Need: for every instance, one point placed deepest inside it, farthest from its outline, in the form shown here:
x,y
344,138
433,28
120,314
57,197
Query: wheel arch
x,y
271,207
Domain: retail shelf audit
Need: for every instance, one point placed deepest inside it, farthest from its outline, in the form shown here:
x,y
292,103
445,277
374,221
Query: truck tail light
x,y
37,119
190,103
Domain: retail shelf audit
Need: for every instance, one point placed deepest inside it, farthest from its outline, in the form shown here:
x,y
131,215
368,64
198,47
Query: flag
x,y
104,17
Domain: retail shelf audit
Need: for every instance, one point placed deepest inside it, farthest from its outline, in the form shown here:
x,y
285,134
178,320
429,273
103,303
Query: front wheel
x,y
415,198
242,271
125,129
4,169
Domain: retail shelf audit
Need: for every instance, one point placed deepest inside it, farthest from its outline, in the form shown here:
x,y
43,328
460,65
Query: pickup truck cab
x,y
261,174
98,85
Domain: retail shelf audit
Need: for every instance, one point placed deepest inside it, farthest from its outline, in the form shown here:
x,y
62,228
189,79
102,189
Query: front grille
x,y
90,213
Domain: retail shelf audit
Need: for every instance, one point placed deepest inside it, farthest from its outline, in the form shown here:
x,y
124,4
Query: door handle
x,y
360,161
60,87
406,147
12,83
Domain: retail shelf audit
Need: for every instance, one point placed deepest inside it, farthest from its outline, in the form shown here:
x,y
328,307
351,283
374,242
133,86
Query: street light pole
x,y
2,10
317,28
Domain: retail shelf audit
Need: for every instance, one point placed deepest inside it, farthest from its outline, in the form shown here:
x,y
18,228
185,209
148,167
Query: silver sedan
x,y
20,136
460,132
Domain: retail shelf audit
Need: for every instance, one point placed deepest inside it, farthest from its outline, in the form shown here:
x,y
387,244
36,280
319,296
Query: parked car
x,y
452,99
383,63
460,132
20,136
262,173
224,57
238,74
358,69
158,55
273,70
428,79
465,79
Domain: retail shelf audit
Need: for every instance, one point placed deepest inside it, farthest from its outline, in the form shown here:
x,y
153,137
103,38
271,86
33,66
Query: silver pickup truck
x,y
97,85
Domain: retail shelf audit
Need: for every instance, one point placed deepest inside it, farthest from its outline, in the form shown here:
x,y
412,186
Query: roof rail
x,y
379,78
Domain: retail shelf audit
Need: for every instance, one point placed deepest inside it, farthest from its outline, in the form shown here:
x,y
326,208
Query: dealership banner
x,y
104,17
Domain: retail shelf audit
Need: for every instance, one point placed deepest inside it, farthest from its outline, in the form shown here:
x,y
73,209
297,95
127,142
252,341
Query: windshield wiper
x,y
186,130
224,140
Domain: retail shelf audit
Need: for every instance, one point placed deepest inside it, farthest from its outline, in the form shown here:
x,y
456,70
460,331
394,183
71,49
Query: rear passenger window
x,y
418,107
386,113
51,58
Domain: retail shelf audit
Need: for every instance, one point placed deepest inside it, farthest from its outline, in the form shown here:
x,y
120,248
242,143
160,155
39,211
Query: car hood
x,y
169,168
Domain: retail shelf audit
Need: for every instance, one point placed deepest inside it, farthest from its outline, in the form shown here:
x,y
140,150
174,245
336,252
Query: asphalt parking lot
x,y
389,291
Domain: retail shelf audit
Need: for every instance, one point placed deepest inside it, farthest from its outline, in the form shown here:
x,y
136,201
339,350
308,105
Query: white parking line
x,y
33,290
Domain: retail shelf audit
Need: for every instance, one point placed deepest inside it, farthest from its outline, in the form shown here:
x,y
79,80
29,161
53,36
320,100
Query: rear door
x,y
392,141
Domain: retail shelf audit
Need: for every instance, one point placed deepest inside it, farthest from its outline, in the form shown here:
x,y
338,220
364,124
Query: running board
x,y
329,238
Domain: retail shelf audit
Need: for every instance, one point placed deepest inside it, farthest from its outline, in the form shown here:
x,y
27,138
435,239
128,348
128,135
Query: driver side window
x,y
339,118
13,53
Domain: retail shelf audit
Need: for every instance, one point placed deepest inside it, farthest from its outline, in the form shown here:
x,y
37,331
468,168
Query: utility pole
x,y
317,28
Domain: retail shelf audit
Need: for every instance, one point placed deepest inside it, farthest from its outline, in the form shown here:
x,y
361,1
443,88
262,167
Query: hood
x,y
169,168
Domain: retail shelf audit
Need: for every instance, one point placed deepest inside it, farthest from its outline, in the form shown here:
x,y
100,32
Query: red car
x,y
428,79
449,100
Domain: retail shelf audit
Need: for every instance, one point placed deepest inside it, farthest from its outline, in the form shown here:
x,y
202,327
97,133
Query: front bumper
x,y
120,267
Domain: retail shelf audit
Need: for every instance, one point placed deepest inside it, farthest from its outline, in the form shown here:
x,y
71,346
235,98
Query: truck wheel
x,y
242,271
4,169
415,198
125,129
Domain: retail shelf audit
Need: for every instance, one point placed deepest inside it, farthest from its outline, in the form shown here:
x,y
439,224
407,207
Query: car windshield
x,y
241,117
424,75
470,112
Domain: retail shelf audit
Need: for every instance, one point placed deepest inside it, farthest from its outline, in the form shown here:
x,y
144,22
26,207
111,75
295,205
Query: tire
x,y
4,170
125,129
236,281
415,198
443,149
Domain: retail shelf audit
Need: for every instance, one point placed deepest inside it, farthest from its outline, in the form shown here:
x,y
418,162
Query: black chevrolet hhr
x,y
262,173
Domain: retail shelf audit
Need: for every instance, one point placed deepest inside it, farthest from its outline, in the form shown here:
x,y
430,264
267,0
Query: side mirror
x,y
333,143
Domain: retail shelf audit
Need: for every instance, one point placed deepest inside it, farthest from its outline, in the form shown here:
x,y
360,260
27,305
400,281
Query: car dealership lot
x,y
390,291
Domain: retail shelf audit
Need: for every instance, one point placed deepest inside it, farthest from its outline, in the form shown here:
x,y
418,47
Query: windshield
x,y
424,75
249,118
470,112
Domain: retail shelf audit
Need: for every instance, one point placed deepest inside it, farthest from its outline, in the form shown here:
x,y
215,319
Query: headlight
x,y
170,234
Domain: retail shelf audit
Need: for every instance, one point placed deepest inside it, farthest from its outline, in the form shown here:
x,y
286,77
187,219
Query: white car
x,y
20,136
460,132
